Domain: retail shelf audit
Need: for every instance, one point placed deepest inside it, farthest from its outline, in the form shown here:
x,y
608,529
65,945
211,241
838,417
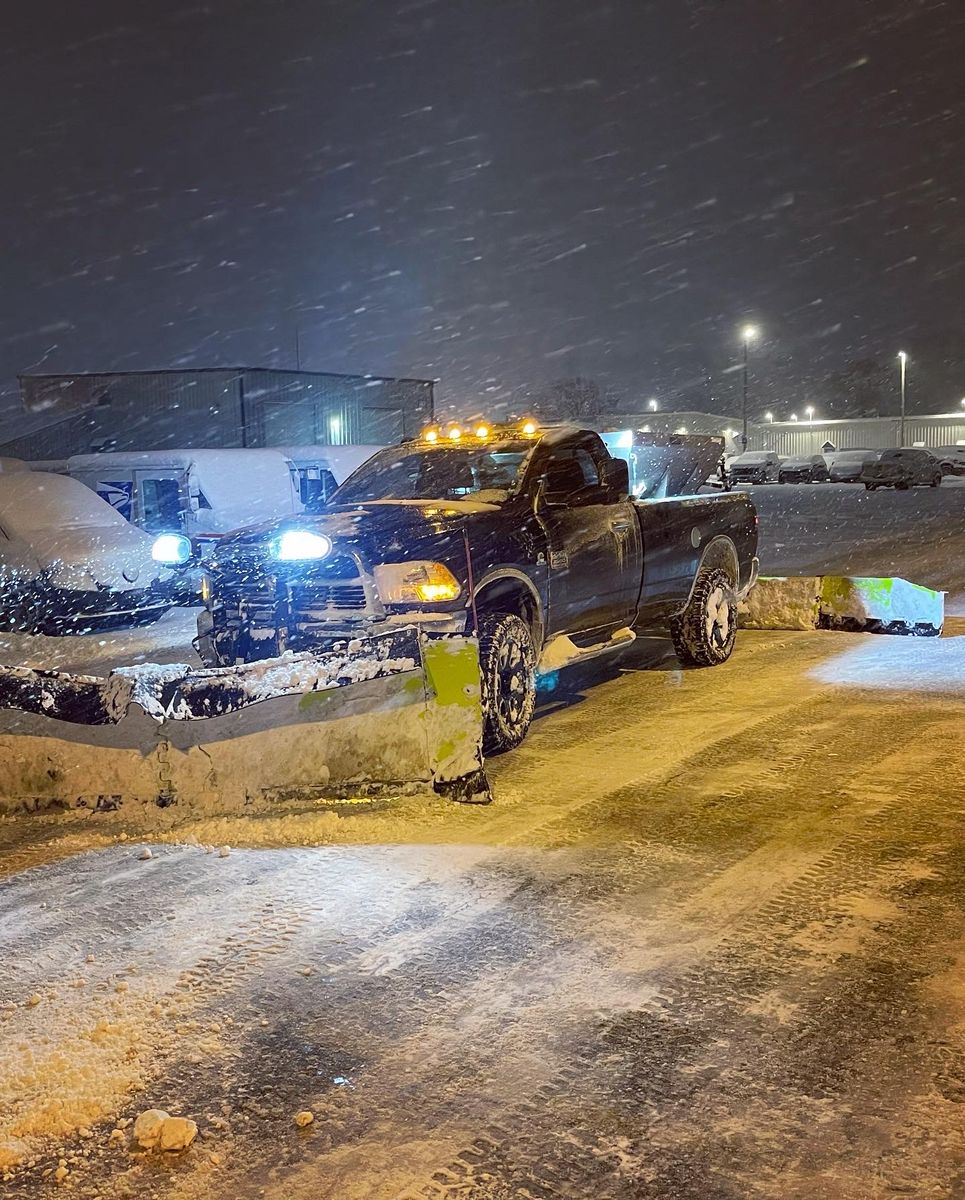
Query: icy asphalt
x,y
709,942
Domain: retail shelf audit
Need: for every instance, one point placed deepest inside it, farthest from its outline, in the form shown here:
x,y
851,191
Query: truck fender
x,y
488,584
720,551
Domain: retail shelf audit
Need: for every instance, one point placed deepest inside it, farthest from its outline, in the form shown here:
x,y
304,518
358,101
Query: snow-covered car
x,y
756,466
69,562
847,465
951,459
902,469
803,468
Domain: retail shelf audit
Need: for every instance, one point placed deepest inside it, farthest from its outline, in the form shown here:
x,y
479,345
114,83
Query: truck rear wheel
x,y
703,635
507,662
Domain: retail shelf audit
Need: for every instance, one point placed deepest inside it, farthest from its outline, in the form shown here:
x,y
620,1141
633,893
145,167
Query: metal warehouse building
x,y
212,407
859,433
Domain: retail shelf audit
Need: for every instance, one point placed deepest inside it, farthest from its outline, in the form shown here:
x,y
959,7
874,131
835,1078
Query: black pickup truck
x,y
527,537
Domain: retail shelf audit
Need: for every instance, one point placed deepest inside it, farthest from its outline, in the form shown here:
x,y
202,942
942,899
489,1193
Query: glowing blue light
x,y
297,545
171,549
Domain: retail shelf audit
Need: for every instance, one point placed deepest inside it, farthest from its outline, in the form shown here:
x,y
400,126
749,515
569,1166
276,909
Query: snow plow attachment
x,y
856,604
391,711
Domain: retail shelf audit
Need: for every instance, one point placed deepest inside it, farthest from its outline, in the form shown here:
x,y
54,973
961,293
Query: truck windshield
x,y
487,473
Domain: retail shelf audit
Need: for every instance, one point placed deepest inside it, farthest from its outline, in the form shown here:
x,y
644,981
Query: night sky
x,y
497,193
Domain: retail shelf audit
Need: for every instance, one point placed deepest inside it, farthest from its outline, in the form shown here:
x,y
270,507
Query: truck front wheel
x,y
507,662
703,634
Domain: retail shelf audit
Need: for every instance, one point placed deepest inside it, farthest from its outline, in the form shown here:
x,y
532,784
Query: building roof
x,y
222,371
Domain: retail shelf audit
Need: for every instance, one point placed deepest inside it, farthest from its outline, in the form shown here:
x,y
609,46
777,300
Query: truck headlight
x,y
300,545
171,549
416,583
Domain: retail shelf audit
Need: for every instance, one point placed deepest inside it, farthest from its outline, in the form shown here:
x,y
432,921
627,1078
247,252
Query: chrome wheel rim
x,y
511,682
718,617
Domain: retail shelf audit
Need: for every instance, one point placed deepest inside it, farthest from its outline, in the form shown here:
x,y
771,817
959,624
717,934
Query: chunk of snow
x,y
156,1129
147,1127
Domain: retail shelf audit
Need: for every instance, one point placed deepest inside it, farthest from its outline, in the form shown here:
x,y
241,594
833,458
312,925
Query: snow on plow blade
x,y
861,604
392,710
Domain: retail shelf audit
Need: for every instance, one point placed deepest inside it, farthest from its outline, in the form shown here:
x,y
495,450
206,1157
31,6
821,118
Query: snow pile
x,y
781,604
842,602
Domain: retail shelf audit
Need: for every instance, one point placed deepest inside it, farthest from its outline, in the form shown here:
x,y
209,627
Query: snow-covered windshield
x,y
33,502
486,473
753,458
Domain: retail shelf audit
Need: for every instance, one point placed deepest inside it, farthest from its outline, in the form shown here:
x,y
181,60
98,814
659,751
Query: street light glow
x,y
749,333
810,412
652,405
793,416
768,416
902,356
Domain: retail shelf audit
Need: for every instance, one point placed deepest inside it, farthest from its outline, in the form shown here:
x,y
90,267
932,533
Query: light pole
x,y
810,412
652,405
769,416
902,359
748,335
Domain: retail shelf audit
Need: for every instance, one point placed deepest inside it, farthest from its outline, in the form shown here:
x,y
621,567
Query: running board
x,y
561,651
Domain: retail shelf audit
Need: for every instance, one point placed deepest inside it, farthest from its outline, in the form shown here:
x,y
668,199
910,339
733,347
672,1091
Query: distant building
x,y
211,407
858,433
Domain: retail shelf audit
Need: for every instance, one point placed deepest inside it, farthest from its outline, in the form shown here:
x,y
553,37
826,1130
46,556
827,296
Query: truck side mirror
x,y
616,478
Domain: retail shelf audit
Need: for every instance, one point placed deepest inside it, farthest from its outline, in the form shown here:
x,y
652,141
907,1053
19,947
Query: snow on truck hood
x,y
72,534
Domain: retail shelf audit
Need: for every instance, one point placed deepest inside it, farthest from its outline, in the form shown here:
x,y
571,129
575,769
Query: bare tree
x,y
574,398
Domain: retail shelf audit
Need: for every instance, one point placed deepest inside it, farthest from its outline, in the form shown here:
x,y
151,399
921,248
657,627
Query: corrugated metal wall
x,y
212,408
295,408
787,437
146,411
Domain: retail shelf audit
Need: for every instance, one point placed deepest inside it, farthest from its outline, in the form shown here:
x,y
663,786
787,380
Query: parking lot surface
x,y
709,941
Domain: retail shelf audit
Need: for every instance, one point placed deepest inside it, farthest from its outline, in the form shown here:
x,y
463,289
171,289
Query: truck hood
x,y
116,557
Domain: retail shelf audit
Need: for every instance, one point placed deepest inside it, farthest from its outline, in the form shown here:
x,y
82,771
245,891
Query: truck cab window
x,y
569,472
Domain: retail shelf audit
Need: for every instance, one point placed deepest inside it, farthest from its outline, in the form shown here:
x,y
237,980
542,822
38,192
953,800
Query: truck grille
x,y
328,589
339,596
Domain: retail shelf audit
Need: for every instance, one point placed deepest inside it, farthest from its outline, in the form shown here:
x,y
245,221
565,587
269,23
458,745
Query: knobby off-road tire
x,y
703,635
507,662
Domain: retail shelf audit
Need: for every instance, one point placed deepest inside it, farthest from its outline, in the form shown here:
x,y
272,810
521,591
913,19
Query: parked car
x,y
69,562
755,466
951,459
902,469
847,465
803,468
531,538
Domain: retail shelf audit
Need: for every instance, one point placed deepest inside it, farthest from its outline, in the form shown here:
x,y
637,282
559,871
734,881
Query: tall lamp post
x,y
748,335
902,360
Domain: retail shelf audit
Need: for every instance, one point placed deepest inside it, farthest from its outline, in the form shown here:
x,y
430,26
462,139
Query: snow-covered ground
x,y
707,941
